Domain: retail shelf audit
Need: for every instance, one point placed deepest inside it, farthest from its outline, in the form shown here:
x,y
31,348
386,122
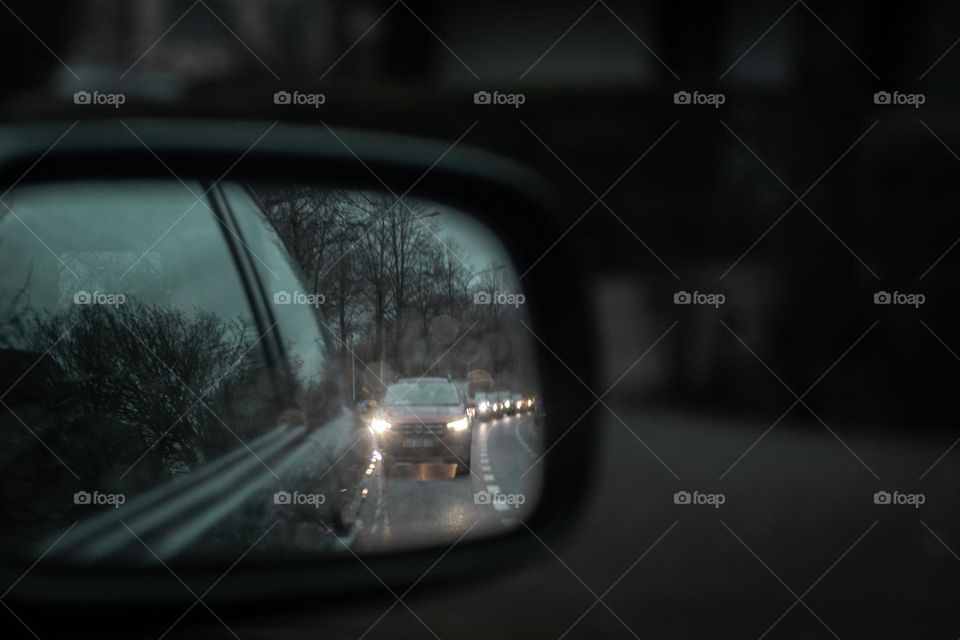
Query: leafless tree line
x,y
399,292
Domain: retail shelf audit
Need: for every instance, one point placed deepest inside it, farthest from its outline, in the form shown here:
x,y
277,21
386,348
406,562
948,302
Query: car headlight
x,y
379,426
484,406
458,425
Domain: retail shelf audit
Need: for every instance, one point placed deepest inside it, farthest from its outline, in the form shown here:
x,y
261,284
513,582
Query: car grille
x,y
418,428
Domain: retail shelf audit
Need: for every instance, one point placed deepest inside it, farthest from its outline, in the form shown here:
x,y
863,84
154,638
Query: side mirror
x,y
216,480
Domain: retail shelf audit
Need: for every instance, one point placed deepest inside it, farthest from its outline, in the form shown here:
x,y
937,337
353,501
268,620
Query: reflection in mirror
x,y
276,370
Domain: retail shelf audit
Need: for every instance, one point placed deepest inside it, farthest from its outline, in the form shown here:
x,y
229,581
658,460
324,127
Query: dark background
x,y
799,113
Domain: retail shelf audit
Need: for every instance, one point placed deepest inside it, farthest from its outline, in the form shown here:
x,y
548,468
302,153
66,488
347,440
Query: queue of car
x,y
431,420
492,405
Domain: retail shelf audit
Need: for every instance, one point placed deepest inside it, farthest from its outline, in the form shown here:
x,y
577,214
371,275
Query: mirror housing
x,y
502,195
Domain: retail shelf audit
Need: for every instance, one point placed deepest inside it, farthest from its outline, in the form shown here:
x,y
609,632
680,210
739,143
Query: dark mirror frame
x,y
506,197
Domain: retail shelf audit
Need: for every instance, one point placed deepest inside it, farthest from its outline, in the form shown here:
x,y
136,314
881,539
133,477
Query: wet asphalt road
x,y
418,504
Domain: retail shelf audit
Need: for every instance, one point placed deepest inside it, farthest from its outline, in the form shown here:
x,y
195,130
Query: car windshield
x,y
421,393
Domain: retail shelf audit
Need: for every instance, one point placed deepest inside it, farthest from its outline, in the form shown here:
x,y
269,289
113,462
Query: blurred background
x,y
826,176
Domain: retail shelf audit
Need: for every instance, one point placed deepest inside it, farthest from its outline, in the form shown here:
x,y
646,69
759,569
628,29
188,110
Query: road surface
x,y
422,504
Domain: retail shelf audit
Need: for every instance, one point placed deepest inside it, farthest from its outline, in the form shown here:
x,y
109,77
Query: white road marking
x,y
523,443
488,477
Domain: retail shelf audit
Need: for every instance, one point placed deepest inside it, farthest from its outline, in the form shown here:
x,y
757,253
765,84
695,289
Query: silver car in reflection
x,y
424,420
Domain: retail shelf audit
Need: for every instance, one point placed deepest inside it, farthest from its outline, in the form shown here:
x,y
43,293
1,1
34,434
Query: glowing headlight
x,y
458,425
378,426
484,406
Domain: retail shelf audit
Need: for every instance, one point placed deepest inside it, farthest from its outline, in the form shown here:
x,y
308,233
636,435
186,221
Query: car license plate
x,y
416,443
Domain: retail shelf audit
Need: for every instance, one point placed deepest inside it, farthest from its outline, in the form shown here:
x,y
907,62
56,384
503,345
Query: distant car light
x,y
484,406
458,425
379,426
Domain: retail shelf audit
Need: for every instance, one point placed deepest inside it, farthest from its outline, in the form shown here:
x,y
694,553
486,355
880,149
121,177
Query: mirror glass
x,y
192,372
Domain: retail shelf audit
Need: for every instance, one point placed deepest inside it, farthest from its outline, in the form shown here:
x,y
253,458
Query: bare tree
x,y
398,294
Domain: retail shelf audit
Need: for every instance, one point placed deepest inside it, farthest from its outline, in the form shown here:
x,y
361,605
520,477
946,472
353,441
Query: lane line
x,y
488,476
523,443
